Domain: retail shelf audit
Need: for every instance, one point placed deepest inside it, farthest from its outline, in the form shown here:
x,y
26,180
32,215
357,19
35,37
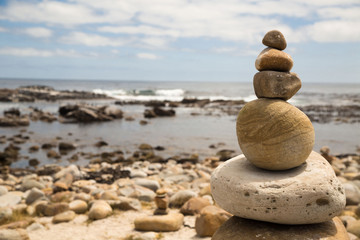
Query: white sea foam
x,y
145,95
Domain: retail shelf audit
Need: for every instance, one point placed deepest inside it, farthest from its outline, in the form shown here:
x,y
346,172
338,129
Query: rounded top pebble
x,y
274,39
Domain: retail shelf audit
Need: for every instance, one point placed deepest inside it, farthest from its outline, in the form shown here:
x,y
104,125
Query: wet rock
x,y
52,154
99,210
14,121
163,223
34,162
143,122
48,145
145,146
66,146
163,112
209,220
64,217
250,229
148,113
113,111
48,170
101,144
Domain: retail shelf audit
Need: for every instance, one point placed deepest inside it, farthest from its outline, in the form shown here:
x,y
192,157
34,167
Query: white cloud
x,y
91,40
149,56
38,32
32,52
3,29
333,31
156,24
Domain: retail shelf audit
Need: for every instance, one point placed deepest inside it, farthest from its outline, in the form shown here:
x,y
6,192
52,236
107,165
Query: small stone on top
x,y
274,39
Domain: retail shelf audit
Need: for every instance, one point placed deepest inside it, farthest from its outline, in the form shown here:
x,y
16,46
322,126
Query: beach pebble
x,y
33,195
273,59
125,204
31,183
9,199
35,226
352,193
100,209
194,205
308,194
78,206
179,198
13,234
64,217
273,84
3,190
151,184
163,223
250,230
273,134
209,220
354,228
274,39
5,214
51,209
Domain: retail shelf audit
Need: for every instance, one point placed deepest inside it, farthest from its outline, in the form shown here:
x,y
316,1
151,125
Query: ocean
x,y
185,133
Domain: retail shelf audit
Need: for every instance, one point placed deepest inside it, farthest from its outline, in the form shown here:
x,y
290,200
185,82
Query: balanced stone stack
x,y
279,188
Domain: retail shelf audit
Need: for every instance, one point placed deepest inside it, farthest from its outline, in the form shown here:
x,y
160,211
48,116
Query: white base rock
x,y
307,194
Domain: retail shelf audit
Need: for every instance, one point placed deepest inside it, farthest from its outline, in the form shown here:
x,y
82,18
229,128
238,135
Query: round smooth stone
x,y
274,39
274,59
273,84
310,193
243,229
274,134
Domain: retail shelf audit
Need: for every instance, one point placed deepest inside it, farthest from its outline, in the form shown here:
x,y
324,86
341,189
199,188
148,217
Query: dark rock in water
x,y
163,112
155,104
148,113
113,112
38,114
143,122
53,154
159,148
33,162
34,148
193,158
9,155
101,144
65,146
113,173
48,170
86,113
145,146
12,111
38,87
64,110
225,154
47,146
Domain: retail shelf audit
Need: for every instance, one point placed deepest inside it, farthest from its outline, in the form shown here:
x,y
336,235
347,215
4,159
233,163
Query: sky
x,y
176,40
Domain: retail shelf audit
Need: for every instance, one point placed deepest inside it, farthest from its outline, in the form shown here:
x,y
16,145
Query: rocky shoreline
x,y
46,200
317,113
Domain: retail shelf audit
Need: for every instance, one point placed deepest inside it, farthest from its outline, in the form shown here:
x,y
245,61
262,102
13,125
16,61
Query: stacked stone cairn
x,y
279,188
